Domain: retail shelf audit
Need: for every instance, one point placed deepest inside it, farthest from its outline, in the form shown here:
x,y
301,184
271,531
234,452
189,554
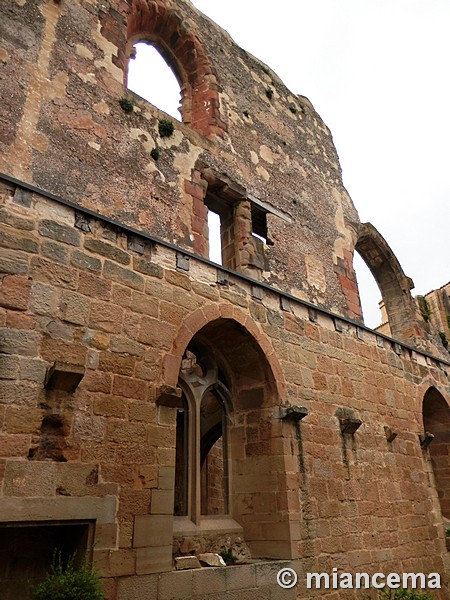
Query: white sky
x,y
377,72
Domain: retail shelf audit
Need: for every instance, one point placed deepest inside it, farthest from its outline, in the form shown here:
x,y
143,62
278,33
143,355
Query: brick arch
x,y
164,27
213,313
436,420
395,286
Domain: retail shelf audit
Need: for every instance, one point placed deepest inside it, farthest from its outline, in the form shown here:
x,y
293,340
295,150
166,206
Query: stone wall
x,y
80,290
113,319
65,70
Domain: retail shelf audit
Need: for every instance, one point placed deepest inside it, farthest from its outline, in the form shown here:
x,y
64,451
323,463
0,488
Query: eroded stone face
x,y
274,146
109,278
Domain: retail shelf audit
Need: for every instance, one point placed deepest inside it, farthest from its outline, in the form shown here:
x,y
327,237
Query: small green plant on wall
x,y
425,309
126,105
444,339
228,557
165,128
154,153
65,582
401,594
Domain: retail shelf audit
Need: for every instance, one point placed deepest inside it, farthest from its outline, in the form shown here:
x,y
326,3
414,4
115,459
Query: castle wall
x,y
65,75
114,321
96,296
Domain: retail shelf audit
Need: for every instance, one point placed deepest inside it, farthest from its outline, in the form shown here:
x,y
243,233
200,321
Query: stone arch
x,y
164,27
256,460
395,286
204,316
436,421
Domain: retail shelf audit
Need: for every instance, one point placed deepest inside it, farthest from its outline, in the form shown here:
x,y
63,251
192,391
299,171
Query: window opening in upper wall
x,y
214,237
259,224
150,76
372,305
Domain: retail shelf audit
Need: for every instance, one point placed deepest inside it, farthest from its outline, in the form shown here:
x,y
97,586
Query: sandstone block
x,y
147,268
153,560
54,251
143,586
17,341
162,502
107,250
61,233
81,260
50,272
9,366
117,363
210,559
178,279
110,406
15,292
130,387
175,585
187,562
74,308
123,432
14,262
33,369
44,299
141,411
124,345
18,240
124,276
153,531
22,419
94,287
105,316
142,303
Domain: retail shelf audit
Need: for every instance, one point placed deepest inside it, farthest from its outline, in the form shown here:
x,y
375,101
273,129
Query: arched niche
x,y
436,421
394,285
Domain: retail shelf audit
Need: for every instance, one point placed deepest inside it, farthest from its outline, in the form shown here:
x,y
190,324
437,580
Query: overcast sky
x,y
377,71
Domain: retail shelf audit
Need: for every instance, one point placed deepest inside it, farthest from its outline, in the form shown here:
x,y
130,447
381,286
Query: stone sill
x,y
208,524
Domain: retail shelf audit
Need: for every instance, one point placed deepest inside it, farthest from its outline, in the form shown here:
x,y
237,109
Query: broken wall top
x,y
65,132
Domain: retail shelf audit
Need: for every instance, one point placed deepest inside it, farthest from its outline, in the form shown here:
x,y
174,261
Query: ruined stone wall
x,y
99,297
64,70
106,289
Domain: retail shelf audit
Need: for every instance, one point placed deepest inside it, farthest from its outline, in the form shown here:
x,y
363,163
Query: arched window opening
x,y
201,456
394,286
436,420
374,313
234,485
213,456
150,76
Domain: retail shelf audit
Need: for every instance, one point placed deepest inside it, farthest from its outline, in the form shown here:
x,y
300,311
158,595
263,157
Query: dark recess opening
x,y
27,550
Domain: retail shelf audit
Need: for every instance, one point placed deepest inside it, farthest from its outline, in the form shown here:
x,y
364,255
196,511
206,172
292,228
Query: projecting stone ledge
x,y
183,563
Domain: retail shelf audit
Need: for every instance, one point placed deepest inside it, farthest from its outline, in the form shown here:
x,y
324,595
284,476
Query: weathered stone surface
x,y
61,233
85,289
210,559
107,250
15,341
17,240
124,276
187,562
83,260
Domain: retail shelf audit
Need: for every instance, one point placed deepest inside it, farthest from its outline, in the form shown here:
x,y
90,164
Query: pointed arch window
x,y
201,460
